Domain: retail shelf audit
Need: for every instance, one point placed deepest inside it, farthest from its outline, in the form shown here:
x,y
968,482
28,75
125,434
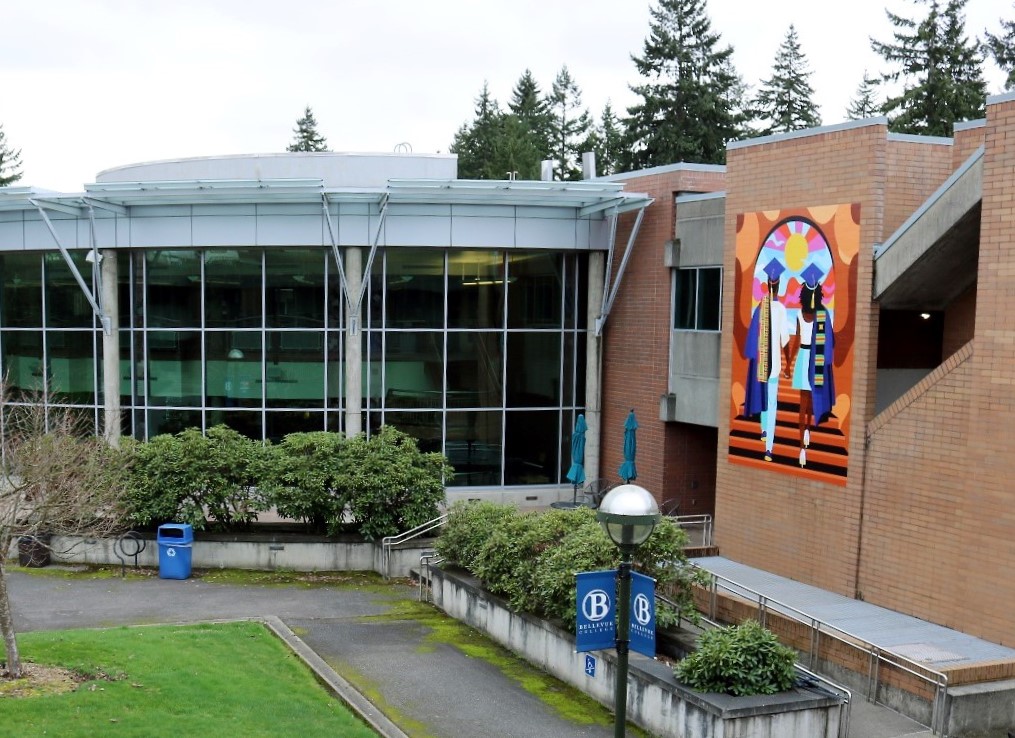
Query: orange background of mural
x,y
840,225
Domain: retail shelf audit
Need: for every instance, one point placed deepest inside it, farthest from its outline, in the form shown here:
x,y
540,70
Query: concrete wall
x,y
656,702
261,555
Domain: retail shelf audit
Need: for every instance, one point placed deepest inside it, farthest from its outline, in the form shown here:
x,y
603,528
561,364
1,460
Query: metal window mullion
x,y
696,322
203,336
505,265
264,344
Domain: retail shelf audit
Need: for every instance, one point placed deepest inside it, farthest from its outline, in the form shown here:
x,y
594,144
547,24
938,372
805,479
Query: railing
x,y
424,574
876,657
697,521
389,542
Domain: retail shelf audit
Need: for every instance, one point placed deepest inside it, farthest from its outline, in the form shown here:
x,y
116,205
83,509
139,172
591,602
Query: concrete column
x,y
109,303
594,364
353,345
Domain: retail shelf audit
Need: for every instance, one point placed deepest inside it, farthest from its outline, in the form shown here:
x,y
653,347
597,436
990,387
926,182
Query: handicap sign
x,y
643,614
590,665
596,605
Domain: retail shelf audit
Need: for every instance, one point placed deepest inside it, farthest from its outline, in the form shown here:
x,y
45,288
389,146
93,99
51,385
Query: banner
x,y
597,615
643,614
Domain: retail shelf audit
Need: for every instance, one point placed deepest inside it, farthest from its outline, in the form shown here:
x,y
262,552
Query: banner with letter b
x,y
597,613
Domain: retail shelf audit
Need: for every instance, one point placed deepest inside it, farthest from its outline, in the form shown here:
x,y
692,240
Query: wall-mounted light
x,y
925,316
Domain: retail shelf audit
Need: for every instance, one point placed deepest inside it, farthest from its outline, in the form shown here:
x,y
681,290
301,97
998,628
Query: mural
x,y
793,340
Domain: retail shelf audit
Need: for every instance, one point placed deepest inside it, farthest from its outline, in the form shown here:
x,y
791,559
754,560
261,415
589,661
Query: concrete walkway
x,y
425,689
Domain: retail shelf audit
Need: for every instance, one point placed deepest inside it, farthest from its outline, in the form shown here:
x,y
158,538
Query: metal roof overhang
x,y
587,198
932,258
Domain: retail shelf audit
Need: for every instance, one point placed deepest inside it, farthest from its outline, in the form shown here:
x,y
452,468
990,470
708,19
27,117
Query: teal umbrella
x,y
576,474
628,471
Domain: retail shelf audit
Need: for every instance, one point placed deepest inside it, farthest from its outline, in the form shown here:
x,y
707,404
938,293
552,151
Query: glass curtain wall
x,y
477,353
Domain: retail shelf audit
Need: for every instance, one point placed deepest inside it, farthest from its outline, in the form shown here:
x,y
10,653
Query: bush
x,y
531,558
470,524
388,484
300,475
194,478
740,659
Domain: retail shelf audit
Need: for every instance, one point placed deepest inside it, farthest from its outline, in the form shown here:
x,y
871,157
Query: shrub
x,y
388,484
531,558
470,524
300,474
193,478
740,659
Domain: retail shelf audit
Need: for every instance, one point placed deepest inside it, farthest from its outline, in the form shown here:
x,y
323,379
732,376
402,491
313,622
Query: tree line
x,y
692,101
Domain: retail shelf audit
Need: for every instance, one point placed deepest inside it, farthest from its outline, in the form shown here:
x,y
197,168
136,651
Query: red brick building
x,y
904,498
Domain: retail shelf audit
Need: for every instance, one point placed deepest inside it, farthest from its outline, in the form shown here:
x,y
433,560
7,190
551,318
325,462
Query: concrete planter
x,y
262,552
656,701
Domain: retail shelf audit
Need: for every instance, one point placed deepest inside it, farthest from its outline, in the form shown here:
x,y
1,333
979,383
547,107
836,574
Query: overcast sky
x,y
86,85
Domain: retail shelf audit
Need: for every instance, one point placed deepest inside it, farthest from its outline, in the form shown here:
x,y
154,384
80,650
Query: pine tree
x,y
940,69
10,161
685,112
475,142
865,104
514,151
1002,48
305,135
569,128
531,108
605,140
785,101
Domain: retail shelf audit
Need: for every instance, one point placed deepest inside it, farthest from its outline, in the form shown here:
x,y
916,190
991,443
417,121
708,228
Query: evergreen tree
x,y
785,100
1002,48
685,112
531,108
940,69
605,140
865,104
305,135
514,151
569,128
475,142
10,161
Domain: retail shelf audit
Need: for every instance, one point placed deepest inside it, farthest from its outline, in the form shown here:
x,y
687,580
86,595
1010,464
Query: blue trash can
x,y
175,542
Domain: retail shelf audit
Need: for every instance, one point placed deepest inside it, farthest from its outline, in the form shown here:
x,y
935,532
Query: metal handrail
x,y
876,656
693,521
389,542
424,573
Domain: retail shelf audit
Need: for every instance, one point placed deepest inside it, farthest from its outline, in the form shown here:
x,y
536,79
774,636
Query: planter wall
x,y
656,701
222,552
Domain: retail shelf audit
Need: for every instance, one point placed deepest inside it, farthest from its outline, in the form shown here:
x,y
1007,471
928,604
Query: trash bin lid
x,y
175,533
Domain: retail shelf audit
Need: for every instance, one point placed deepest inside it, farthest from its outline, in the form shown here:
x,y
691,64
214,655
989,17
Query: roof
x,y
588,197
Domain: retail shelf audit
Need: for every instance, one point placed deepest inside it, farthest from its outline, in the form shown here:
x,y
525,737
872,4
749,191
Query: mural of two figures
x,y
793,335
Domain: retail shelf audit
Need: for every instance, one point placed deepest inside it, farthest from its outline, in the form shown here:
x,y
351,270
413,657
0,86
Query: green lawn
x,y
224,680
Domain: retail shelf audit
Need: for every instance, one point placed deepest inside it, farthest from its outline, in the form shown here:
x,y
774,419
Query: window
x,y
697,299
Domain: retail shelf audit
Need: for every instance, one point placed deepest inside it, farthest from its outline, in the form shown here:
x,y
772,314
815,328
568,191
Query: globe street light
x,y
628,514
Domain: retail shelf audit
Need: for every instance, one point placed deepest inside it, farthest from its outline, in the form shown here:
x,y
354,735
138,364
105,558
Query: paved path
x,y
427,689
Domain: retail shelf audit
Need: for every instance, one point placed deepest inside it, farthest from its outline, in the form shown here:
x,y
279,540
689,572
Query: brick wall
x,y
966,141
799,528
637,335
939,523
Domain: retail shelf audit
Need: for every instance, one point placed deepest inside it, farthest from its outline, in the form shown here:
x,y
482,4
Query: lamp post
x,y
628,514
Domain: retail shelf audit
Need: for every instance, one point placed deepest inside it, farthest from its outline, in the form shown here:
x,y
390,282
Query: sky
x,y
89,85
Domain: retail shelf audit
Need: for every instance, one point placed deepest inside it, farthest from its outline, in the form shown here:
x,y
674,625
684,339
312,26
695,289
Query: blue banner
x,y
643,614
597,613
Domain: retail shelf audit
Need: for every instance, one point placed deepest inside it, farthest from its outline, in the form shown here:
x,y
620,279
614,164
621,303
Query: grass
x,y
233,679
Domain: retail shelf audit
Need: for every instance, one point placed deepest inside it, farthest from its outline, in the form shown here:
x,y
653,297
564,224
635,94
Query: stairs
x,y
827,456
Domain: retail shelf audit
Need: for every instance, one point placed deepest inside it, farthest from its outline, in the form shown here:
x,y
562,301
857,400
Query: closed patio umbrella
x,y
576,474
627,470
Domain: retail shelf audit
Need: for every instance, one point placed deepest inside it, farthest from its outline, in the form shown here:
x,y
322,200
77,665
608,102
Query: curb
x,y
334,682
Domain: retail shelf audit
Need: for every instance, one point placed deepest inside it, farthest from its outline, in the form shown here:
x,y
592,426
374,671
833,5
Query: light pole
x,y
628,514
